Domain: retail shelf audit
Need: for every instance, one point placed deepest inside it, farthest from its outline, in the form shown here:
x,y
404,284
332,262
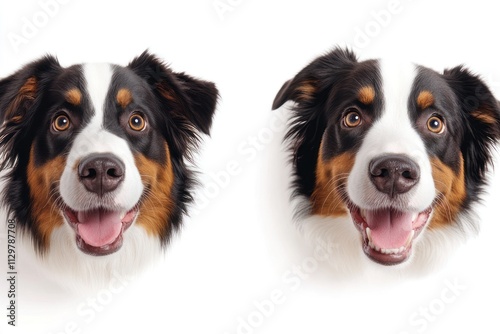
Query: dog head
x,y
400,148
97,148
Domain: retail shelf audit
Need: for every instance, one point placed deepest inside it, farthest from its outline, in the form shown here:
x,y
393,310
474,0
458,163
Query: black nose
x,y
394,174
101,173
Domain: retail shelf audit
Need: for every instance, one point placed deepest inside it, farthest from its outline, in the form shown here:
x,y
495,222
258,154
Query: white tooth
x,y
122,215
368,234
414,217
410,238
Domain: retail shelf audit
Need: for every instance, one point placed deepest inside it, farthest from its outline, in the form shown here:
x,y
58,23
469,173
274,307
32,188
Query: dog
x,y
388,158
97,159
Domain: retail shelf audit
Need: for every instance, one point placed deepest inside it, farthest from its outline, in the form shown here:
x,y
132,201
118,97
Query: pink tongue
x,y
389,228
98,227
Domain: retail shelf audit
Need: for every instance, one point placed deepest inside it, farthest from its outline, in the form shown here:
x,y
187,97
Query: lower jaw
x,y
104,250
382,256
100,251
386,259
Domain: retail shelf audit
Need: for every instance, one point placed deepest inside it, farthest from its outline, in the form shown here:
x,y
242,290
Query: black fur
x,y
473,96
189,111
16,136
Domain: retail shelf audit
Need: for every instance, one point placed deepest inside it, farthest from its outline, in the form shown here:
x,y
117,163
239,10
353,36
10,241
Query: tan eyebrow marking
x,y
425,99
366,94
124,97
74,96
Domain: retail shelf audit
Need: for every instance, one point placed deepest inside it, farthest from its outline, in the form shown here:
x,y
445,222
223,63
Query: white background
x,y
238,249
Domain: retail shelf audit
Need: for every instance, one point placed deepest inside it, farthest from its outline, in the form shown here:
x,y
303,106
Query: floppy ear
x,y
320,74
20,95
482,112
202,99
300,89
310,90
193,100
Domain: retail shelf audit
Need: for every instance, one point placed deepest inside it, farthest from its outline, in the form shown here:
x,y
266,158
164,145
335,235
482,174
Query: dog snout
x,y
101,173
394,174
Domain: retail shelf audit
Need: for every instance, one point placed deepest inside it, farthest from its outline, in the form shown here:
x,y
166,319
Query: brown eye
x,y
435,124
352,119
61,123
137,122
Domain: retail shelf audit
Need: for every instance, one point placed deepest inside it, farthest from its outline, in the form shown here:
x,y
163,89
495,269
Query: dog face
x,y
97,148
399,148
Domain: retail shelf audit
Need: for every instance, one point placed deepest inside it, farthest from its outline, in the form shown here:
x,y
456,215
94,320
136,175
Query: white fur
x,y
77,271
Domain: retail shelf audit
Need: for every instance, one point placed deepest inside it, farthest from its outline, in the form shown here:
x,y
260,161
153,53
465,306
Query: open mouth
x,y
100,231
388,233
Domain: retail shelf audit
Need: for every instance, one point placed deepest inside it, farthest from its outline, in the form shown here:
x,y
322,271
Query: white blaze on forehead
x,y
98,79
392,133
397,82
94,138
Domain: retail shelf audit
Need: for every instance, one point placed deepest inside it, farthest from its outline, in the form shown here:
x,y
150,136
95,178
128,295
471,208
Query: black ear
x,y
482,113
300,89
320,74
310,90
202,99
20,96
195,100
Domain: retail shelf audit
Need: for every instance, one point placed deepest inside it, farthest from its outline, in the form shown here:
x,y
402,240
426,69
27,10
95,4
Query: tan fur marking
x,y
306,91
166,92
425,99
483,117
366,95
451,187
42,181
74,96
124,97
157,206
330,176
26,95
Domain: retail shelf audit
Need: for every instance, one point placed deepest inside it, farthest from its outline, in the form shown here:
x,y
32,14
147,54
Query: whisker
x,y
337,178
